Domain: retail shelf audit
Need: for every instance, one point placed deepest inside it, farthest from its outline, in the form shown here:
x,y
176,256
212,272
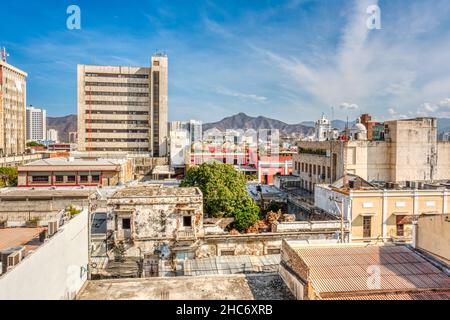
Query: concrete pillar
x,y
415,203
445,204
384,215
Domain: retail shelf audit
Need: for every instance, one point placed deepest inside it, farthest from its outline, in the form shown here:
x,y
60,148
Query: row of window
x,y
116,140
116,75
145,113
69,179
118,94
139,122
313,169
116,84
138,150
118,103
117,130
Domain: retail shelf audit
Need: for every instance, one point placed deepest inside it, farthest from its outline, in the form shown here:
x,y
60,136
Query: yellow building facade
x,y
381,215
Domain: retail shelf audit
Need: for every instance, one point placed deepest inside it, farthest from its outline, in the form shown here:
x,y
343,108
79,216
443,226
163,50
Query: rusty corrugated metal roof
x,y
346,269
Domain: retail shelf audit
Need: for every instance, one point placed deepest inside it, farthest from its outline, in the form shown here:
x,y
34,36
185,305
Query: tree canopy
x,y
8,177
224,193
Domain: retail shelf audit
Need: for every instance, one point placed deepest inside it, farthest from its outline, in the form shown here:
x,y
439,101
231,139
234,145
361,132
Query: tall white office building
x,y
124,109
36,124
52,135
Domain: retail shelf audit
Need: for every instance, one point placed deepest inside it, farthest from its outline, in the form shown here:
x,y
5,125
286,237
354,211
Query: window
x,y
367,227
126,223
71,179
187,221
95,178
227,252
400,226
59,179
40,179
84,179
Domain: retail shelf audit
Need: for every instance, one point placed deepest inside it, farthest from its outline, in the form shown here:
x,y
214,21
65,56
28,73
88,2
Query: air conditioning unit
x,y
53,227
11,257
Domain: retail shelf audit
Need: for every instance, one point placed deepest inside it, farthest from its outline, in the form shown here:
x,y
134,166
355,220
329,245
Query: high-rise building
x,y
36,124
13,93
73,137
183,134
52,135
195,130
124,109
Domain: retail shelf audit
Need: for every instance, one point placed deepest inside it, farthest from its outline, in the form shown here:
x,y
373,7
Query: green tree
x,y
8,177
224,193
34,144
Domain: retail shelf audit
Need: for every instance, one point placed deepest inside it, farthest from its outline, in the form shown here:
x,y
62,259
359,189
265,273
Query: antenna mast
x,y
3,54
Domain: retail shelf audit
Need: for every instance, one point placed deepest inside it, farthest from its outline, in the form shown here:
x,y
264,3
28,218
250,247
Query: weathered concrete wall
x,y
297,226
17,213
161,218
433,236
56,270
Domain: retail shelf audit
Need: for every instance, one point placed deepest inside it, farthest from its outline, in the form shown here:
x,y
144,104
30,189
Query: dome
x,y
359,127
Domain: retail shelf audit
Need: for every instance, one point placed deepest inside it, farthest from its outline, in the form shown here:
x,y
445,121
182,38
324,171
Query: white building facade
x,y
52,135
36,124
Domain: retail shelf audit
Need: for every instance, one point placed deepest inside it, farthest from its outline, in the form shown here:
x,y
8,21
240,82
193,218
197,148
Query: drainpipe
x,y
414,233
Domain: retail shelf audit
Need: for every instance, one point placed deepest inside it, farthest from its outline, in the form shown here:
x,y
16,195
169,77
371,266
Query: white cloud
x,y
440,109
245,96
378,67
348,106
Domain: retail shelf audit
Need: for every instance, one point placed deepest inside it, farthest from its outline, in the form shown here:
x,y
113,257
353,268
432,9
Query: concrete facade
x,y
52,135
123,109
433,236
155,217
66,260
410,152
13,95
385,214
36,124
75,172
18,206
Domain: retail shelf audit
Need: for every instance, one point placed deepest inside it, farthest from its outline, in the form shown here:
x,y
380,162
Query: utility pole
x,y
340,208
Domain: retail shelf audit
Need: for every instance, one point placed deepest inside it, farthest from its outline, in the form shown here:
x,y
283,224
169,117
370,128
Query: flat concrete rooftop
x,y
149,191
59,192
213,287
13,237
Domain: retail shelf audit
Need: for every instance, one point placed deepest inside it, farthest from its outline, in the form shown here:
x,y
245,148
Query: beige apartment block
x,y
409,152
382,215
13,93
123,109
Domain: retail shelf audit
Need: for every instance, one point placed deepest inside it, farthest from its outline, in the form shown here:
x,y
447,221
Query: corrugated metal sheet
x,y
348,269
397,296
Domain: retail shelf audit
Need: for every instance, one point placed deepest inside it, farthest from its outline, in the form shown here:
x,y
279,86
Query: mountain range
x,y
67,124
63,125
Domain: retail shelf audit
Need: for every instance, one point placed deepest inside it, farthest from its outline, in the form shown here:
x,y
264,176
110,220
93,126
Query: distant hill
x,y
67,124
243,121
63,125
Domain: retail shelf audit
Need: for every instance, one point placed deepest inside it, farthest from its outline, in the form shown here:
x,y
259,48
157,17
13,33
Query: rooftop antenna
x,y
332,116
3,54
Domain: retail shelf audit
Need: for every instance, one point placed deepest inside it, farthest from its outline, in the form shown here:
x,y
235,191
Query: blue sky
x,y
289,60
